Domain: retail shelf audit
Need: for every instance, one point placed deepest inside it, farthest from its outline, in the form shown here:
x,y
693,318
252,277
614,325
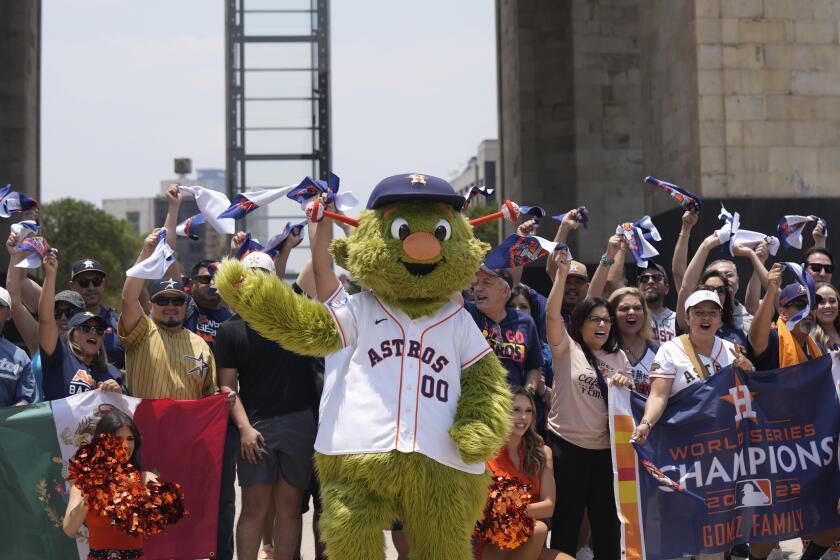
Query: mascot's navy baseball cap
x,y
414,186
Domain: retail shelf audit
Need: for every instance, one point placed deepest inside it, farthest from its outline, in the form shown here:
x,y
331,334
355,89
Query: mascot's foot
x,y
364,494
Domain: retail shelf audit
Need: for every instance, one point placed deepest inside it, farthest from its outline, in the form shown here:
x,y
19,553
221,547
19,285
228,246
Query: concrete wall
x,y
20,65
728,98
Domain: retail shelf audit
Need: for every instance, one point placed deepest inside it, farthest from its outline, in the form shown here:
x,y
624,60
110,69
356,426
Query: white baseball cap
x,y
702,295
257,259
5,298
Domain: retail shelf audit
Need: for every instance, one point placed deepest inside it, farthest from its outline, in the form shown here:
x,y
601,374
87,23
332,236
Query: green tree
x,y
79,230
487,232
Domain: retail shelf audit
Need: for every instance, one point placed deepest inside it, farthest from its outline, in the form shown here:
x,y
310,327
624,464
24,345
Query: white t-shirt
x,y
673,362
401,384
664,325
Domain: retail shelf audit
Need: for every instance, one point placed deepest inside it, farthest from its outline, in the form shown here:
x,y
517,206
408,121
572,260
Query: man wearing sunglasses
x,y
88,278
820,264
205,312
163,359
774,346
653,283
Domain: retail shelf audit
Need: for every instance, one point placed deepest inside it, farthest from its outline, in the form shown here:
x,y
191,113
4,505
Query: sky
x,y
128,86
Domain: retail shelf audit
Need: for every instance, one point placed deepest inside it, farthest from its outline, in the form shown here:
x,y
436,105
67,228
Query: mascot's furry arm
x,y
482,419
275,311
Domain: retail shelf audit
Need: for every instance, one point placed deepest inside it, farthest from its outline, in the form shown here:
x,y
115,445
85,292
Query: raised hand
x,y
173,194
527,228
50,262
774,277
614,245
689,219
818,233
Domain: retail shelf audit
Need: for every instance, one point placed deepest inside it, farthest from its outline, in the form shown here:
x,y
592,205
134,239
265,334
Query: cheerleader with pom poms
x,y
119,502
521,494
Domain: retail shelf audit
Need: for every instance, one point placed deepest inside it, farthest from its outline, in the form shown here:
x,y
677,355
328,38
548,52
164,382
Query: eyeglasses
x,y
164,301
798,303
68,312
705,314
87,329
819,268
645,278
85,282
596,320
202,279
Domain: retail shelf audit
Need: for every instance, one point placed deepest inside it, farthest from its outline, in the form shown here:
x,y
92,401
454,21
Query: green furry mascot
x,y
418,401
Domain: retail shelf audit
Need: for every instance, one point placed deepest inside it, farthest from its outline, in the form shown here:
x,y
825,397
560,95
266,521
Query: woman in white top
x,y
585,358
635,334
674,366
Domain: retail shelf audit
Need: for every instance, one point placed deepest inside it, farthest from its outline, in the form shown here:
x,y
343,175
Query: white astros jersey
x,y
400,387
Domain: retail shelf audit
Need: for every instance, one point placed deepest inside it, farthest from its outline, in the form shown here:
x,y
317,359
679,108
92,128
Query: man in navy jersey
x,y
205,312
511,333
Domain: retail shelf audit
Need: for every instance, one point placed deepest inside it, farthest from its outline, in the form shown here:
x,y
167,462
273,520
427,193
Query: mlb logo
x,y
756,492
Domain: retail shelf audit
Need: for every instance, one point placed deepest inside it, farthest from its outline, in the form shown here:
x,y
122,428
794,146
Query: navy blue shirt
x,y
735,336
206,322
113,346
540,304
515,341
769,359
66,375
16,380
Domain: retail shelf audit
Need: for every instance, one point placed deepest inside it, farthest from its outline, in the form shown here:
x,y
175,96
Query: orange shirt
x,y
103,534
502,465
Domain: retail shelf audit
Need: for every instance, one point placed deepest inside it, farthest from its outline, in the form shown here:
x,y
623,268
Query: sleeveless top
x,y
502,465
103,534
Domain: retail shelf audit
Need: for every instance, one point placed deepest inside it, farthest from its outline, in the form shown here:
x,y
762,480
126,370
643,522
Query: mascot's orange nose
x,y
421,246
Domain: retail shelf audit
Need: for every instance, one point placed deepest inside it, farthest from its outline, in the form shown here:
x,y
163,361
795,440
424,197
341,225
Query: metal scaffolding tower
x,y
278,102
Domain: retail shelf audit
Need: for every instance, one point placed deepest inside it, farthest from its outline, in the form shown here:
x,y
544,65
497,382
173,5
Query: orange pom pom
x,y
506,523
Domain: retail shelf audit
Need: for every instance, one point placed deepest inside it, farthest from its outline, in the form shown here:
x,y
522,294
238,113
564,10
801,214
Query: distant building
x,y
480,170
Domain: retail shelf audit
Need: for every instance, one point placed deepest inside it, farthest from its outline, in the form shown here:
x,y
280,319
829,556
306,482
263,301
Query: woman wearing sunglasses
x,y
586,356
79,363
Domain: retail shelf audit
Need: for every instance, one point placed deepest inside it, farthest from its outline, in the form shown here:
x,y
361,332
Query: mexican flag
x,y
183,441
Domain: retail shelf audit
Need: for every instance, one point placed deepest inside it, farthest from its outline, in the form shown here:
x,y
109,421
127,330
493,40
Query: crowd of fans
x,y
176,339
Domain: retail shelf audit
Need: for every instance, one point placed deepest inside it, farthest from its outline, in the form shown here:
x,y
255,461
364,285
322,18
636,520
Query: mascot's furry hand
x,y
482,421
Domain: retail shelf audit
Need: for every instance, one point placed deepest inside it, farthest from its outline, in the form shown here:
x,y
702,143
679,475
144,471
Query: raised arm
x,y
568,225
285,251
554,323
47,327
680,260
26,324
818,233
173,197
758,279
760,329
692,276
320,237
599,278
133,287
272,308
615,277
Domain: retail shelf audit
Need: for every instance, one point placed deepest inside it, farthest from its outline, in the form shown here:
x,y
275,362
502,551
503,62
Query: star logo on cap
x,y
201,365
417,178
170,284
88,263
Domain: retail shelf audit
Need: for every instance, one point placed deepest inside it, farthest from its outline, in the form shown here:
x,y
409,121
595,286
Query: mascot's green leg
x,y
439,507
355,512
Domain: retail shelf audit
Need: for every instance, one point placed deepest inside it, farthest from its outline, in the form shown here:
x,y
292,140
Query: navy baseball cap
x,y
414,186
166,285
792,292
86,265
85,316
503,273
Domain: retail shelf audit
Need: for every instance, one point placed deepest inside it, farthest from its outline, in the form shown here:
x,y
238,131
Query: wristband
x,y
606,261
646,421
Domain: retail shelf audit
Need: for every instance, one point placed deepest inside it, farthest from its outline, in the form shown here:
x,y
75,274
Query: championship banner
x,y
183,441
742,457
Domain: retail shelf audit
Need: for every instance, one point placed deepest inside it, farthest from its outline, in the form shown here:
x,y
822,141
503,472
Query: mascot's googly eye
x,y
400,229
443,230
